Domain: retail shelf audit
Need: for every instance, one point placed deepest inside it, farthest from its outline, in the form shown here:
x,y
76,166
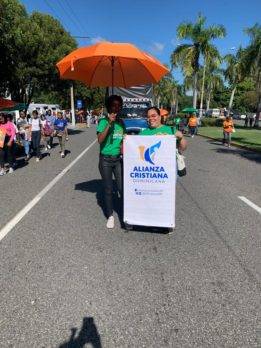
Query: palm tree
x,y
252,63
213,81
234,72
165,91
187,56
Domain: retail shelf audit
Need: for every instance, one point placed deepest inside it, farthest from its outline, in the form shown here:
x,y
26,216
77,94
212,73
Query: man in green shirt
x,y
157,128
110,133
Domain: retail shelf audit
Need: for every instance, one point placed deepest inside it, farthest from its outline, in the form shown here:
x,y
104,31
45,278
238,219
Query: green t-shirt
x,y
162,130
111,146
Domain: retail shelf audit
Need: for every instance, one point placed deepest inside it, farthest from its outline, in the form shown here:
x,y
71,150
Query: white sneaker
x,y
11,170
37,159
48,147
62,154
110,222
2,172
192,136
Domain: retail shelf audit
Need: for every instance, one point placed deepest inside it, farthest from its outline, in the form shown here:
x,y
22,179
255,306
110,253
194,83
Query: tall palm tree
x,y
213,81
252,63
187,56
234,72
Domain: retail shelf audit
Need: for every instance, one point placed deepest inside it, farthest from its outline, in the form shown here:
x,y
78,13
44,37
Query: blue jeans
x,y
26,144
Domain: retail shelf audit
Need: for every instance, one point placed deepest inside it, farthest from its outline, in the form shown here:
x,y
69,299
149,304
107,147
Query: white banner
x,y
149,180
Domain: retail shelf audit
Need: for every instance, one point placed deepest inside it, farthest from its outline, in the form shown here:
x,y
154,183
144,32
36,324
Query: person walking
x,y
228,127
251,120
60,129
110,132
36,131
246,120
89,118
24,133
6,144
50,119
192,125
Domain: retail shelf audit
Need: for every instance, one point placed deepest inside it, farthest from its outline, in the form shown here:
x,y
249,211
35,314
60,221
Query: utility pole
x,y
72,105
71,87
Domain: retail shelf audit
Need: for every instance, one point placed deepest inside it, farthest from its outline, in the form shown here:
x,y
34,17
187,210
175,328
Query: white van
x,y
42,108
213,113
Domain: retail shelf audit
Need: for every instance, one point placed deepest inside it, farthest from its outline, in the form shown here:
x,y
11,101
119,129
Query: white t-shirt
x,y
35,123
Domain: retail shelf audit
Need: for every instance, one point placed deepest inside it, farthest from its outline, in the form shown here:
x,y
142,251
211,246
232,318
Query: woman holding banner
x,y
157,128
110,133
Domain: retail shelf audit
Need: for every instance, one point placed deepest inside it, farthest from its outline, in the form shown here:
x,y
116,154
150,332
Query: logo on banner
x,y
149,153
150,172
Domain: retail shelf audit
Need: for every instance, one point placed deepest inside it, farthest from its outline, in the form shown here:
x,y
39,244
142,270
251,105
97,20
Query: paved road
x,y
66,281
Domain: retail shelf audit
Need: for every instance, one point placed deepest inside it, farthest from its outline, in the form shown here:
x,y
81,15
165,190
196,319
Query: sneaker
x,y
27,158
128,227
11,170
170,231
192,136
37,159
110,222
2,172
62,154
48,147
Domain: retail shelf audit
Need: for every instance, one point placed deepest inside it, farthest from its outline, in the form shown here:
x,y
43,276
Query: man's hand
x,y
179,135
112,118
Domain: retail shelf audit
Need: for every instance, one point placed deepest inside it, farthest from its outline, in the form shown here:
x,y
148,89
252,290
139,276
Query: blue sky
x,y
150,24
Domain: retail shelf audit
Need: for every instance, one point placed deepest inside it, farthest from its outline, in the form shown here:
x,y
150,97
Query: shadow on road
x,y
95,186
74,131
88,334
250,155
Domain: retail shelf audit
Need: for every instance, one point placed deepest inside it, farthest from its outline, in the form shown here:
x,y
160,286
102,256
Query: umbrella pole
x,y
112,74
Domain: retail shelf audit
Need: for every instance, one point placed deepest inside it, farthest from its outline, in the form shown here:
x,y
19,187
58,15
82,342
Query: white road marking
x,y
251,204
18,217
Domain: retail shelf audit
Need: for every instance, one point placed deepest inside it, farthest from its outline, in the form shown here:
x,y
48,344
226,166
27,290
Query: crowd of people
x,y
29,133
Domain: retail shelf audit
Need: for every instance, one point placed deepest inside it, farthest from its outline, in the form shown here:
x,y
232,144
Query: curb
x,y
232,143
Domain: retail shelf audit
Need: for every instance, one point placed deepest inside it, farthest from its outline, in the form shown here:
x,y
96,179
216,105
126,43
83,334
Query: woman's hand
x,y
179,135
9,144
112,117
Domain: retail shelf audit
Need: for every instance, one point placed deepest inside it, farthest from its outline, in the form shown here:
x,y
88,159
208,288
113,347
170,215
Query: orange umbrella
x,y
6,103
111,64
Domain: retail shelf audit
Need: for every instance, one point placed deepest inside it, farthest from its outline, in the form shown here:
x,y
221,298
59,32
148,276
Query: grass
x,y
249,138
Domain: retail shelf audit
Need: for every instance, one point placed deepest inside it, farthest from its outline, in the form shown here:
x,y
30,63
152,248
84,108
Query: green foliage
x,y
30,47
211,122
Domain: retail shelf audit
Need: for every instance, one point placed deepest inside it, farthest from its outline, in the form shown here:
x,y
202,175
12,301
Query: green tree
x,y
234,72
187,56
12,17
252,64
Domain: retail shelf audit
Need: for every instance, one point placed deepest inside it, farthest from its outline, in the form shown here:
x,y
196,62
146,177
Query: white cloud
x,y
173,42
157,47
95,40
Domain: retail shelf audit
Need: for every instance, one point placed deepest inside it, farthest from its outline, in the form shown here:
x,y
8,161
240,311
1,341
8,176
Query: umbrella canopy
x,y
18,106
111,64
189,110
6,103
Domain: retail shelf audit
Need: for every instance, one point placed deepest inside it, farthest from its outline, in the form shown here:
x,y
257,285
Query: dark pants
x,y
108,166
36,139
7,152
50,141
192,130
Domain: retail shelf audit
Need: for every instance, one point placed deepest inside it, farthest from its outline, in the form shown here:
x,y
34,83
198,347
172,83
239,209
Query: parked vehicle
x,y
136,101
213,113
